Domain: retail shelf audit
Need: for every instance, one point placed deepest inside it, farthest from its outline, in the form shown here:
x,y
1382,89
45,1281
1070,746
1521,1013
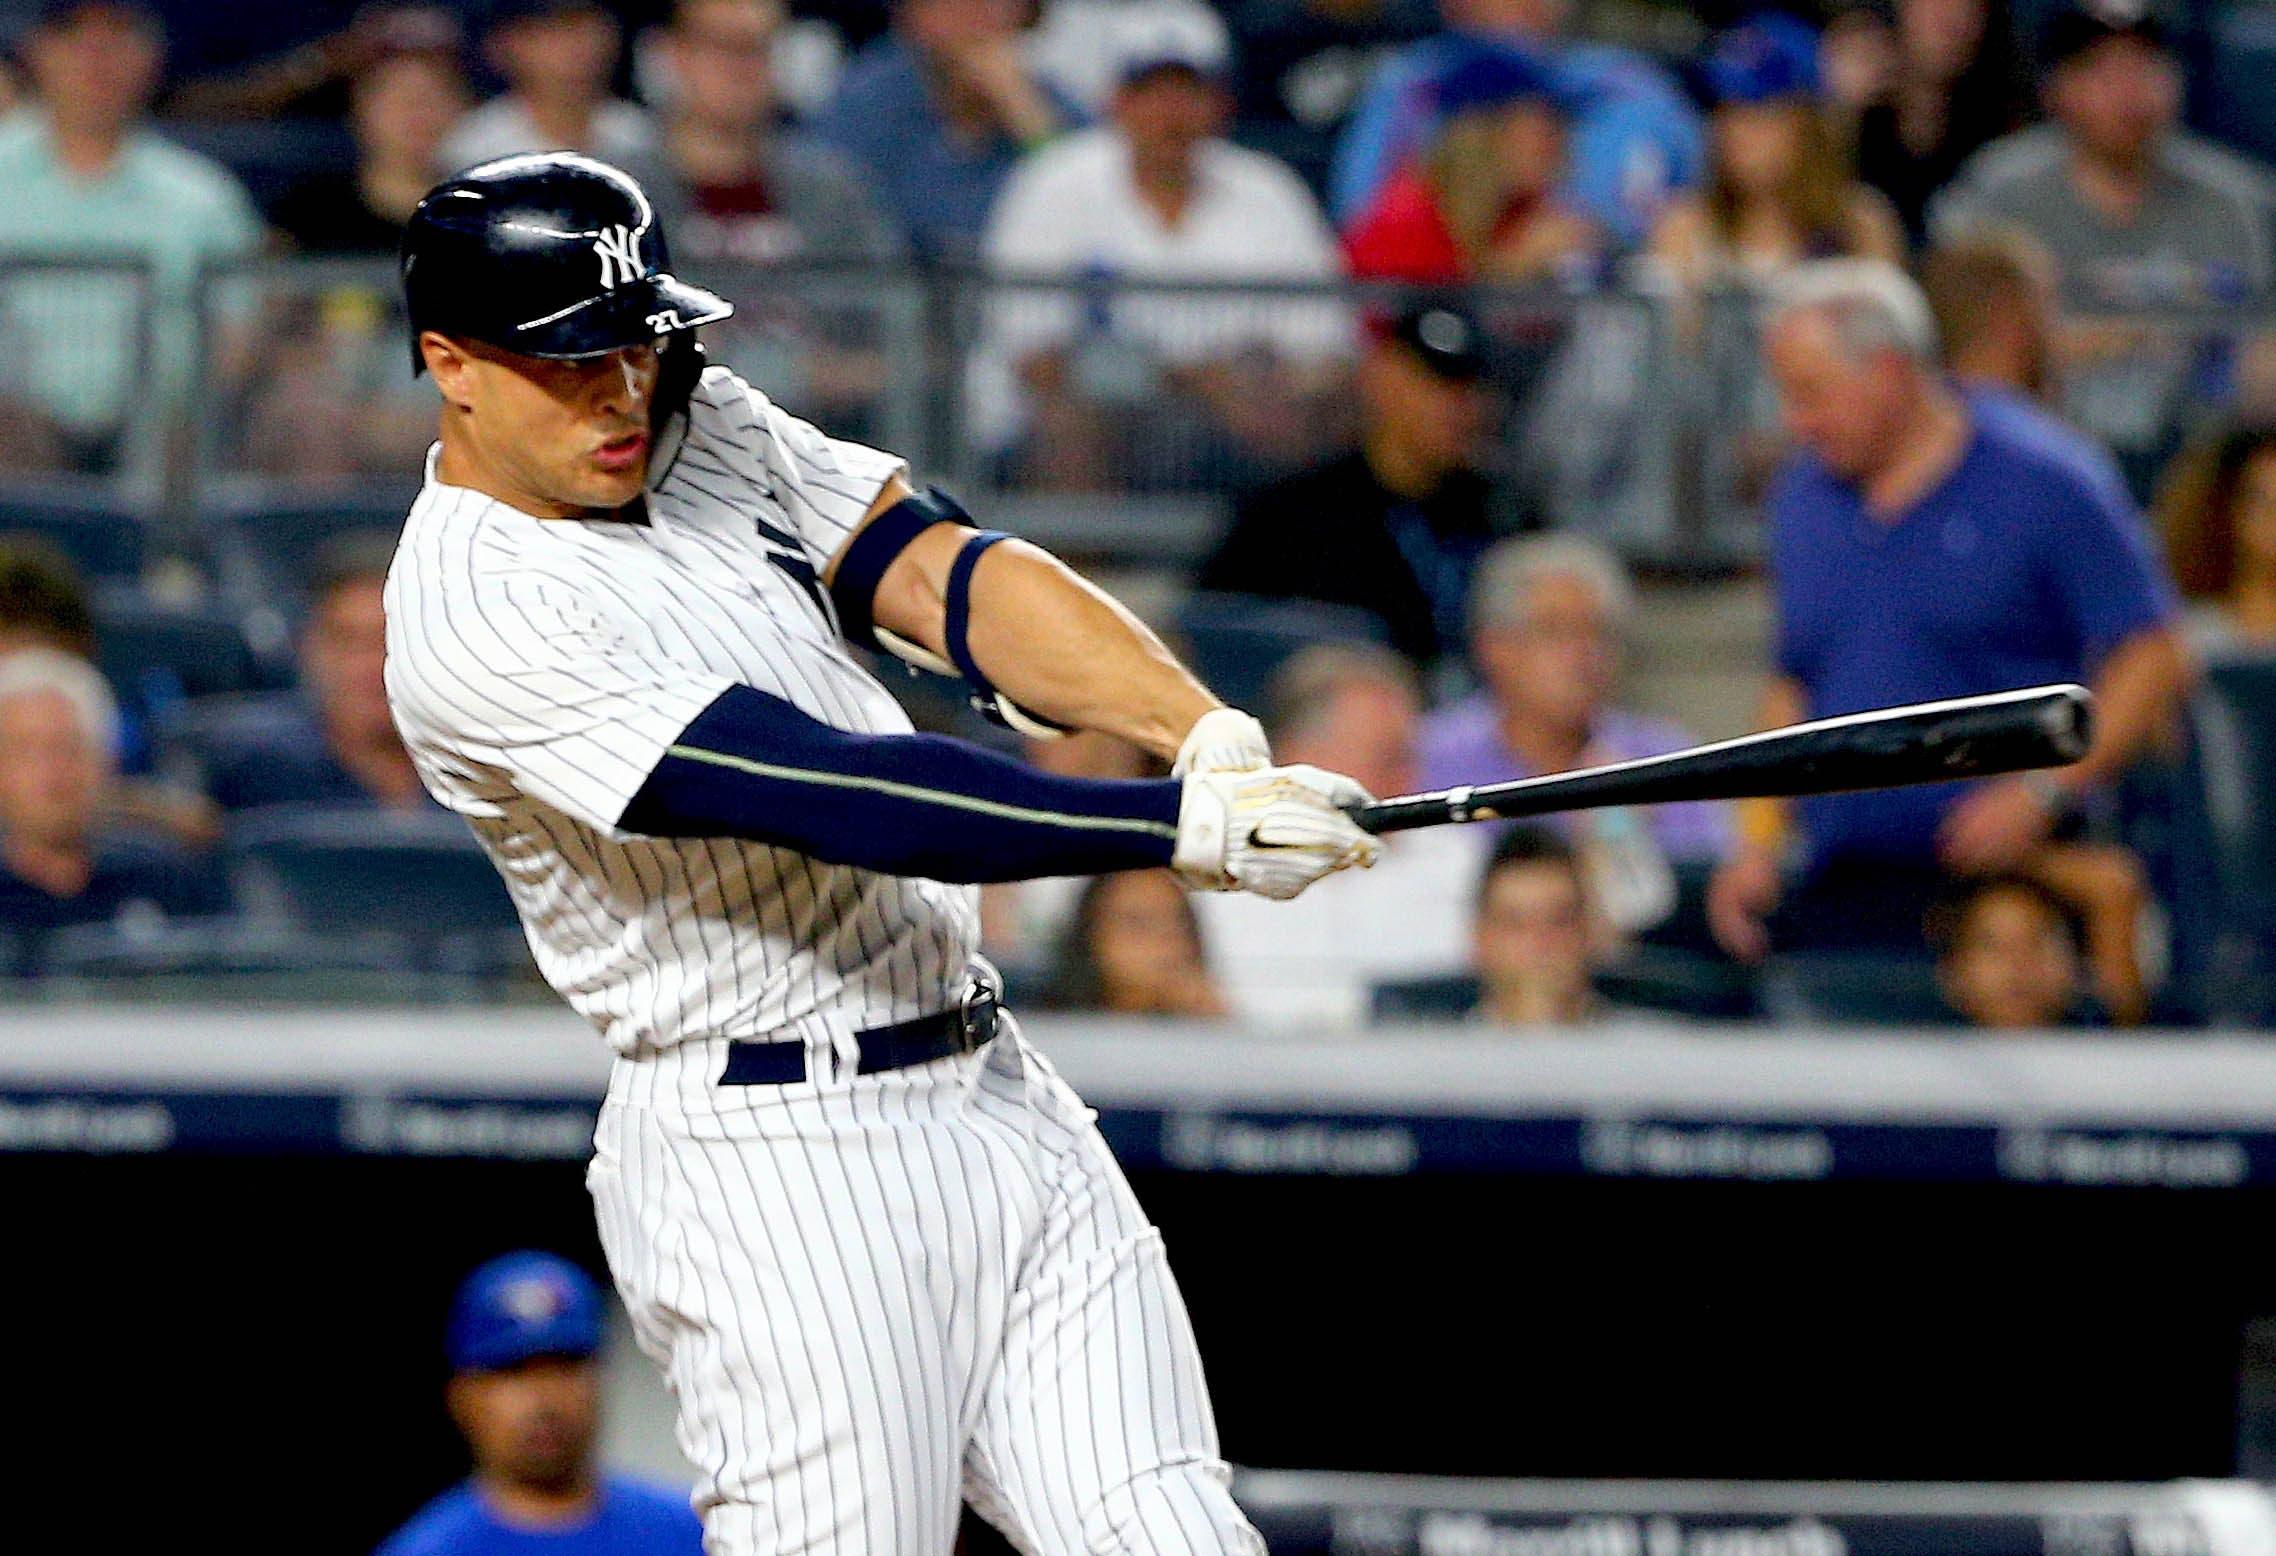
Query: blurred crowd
x,y
1964,304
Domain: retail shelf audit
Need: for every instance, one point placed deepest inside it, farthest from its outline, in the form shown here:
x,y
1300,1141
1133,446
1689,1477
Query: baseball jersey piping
x,y
910,791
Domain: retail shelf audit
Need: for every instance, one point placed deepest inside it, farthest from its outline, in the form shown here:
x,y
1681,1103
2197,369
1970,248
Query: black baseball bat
x,y
1885,748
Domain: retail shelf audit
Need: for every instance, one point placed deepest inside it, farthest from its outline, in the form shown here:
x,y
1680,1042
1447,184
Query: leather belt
x,y
961,1030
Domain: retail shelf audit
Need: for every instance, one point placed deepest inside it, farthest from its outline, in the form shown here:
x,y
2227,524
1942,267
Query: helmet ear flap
x,y
680,362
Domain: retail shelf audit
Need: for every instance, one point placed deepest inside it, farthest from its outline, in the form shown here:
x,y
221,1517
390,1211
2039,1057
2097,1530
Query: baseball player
x,y
877,1245
525,1392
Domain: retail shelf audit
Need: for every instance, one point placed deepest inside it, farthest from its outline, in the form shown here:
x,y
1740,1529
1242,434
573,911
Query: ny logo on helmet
x,y
619,253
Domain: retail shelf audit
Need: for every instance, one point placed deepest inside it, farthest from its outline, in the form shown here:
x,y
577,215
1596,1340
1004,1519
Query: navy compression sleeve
x,y
753,766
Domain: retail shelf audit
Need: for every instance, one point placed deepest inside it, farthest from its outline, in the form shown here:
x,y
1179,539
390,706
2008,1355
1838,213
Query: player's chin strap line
x,y
754,766
862,569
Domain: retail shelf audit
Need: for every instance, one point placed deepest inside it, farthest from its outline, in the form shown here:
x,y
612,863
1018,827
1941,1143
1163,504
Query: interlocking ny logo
x,y
619,252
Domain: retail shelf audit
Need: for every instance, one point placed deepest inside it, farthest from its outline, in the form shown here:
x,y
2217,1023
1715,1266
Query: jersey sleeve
x,y
824,484
513,691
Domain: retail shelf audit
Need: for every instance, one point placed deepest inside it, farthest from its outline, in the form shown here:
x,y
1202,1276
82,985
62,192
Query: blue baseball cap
x,y
1762,60
521,1305
1490,75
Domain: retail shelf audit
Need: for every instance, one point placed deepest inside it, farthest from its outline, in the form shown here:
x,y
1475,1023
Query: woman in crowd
x,y
1481,202
1924,96
1779,188
2218,517
1134,948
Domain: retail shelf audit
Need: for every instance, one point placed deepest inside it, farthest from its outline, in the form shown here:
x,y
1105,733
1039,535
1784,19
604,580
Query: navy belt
x,y
967,1027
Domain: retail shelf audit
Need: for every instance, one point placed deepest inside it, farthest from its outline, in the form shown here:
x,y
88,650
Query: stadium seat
x,y
1856,988
156,656
103,539
233,959
2236,747
266,549
1238,641
419,875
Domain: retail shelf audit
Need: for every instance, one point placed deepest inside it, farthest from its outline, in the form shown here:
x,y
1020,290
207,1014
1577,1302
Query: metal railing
x,y
1644,420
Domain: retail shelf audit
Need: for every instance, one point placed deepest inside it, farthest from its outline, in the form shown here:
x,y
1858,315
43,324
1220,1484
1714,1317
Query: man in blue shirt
x,y
939,111
1927,542
525,1392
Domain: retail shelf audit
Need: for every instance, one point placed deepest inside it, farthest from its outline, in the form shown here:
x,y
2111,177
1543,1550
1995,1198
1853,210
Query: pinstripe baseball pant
x,y
877,1297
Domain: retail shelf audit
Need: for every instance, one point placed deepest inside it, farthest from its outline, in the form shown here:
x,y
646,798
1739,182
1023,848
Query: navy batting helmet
x,y
549,255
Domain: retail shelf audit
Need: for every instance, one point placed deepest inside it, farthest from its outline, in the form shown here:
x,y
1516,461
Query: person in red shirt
x,y
1480,204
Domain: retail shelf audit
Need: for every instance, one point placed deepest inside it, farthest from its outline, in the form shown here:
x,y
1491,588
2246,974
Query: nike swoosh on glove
x,y
1273,831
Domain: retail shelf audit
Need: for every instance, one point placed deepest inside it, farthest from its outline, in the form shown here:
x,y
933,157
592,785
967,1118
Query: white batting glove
x,y
1273,831
1223,740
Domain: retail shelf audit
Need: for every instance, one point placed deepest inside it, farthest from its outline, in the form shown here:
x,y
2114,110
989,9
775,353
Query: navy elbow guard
x,y
854,591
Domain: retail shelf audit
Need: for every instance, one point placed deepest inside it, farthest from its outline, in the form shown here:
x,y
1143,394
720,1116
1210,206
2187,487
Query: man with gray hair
x,y
1929,541
1547,615
58,726
1317,959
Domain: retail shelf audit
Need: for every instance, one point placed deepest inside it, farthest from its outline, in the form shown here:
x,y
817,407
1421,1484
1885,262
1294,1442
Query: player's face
x,y
552,438
2012,965
531,1425
1533,930
1847,412
51,772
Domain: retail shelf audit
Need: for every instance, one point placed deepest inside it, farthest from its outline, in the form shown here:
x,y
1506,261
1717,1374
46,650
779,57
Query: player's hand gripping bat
x,y
1887,748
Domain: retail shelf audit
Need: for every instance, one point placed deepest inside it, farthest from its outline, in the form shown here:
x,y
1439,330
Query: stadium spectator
x,y
525,1394
402,104
938,112
1304,63
1634,136
1395,526
1538,940
333,741
1993,294
1482,202
1077,45
1134,948
2136,212
2010,954
732,184
1928,542
59,863
83,175
44,604
1547,617
1779,187
558,58
1218,387
2217,514
1315,959
1922,97
314,79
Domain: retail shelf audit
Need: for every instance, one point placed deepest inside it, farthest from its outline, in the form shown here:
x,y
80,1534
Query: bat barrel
x,y
1969,737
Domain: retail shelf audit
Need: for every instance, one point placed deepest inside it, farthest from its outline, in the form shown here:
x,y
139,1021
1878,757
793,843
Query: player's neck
x,y
540,1507
458,466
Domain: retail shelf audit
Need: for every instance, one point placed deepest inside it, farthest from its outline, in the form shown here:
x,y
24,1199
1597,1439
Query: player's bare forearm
x,y
1049,639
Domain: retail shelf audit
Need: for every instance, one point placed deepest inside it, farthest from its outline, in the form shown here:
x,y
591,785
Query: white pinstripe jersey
x,y
538,669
